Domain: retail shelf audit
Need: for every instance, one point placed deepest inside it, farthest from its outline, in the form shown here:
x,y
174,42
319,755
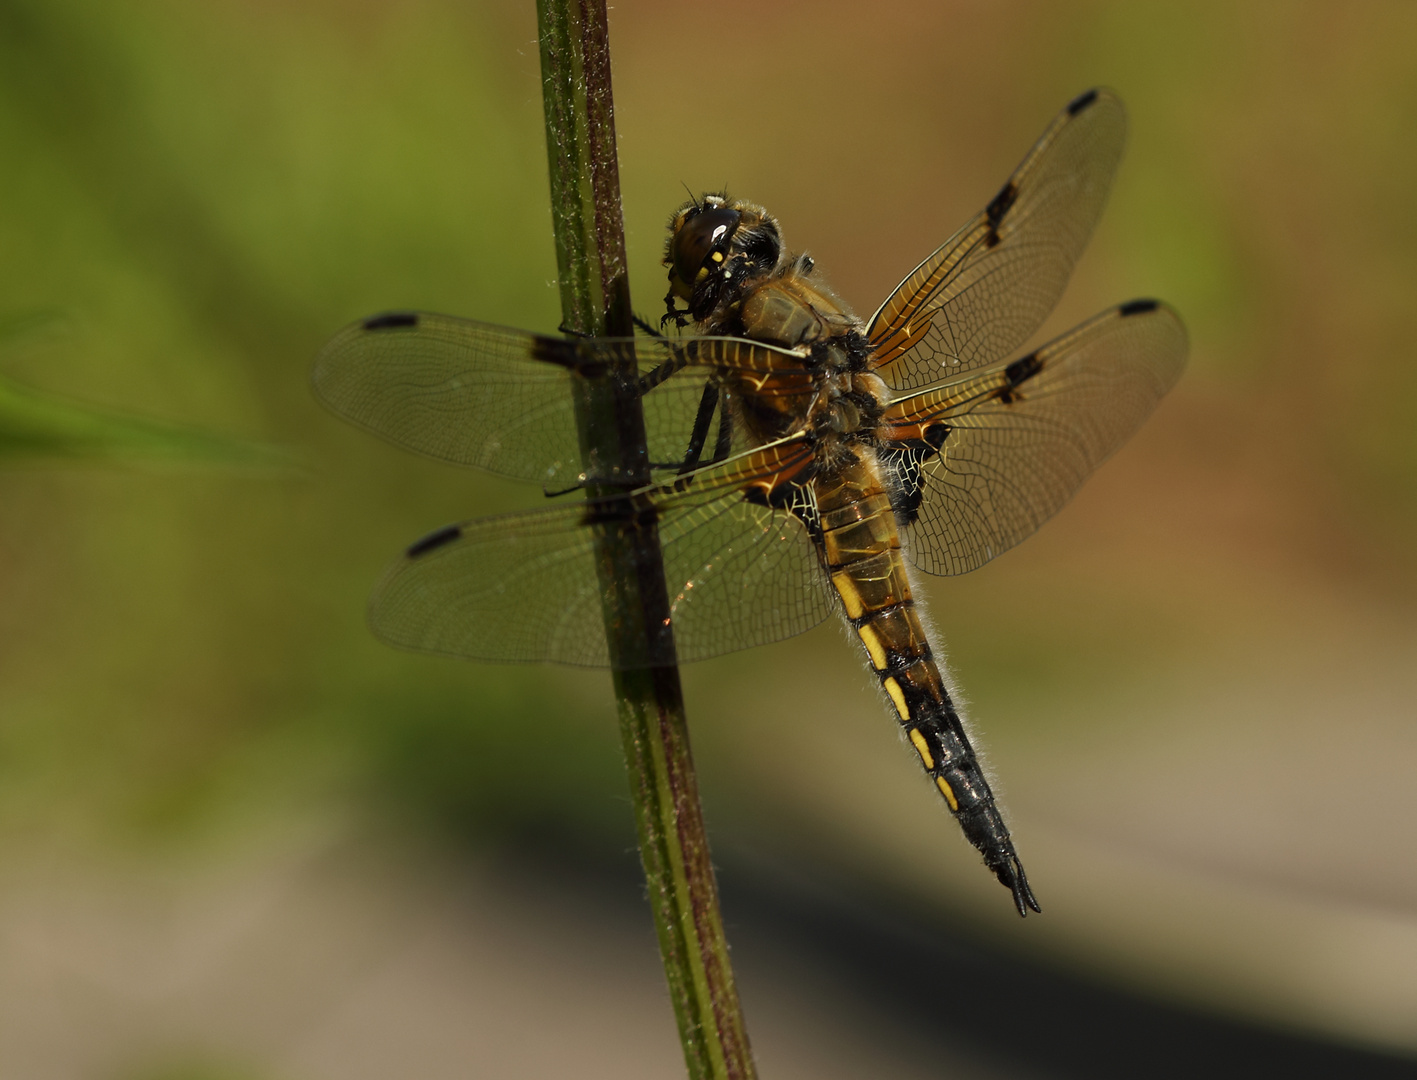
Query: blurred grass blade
x,y
36,425
19,326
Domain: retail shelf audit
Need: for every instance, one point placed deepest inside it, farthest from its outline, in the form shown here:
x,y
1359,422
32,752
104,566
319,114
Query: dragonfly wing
x,y
981,463
503,400
990,286
526,587
457,390
691,388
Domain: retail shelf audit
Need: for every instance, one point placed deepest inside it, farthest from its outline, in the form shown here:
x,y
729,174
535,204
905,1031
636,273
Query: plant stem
x,y
595,300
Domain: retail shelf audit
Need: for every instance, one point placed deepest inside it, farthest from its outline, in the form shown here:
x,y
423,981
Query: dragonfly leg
x,y
724,443
564,491
648,328
656,375
708,405
679,318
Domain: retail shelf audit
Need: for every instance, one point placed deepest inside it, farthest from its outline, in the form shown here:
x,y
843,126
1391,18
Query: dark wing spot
x,y
905,466
1000,203
1137,307
563,353
1022,369
391,320
434,540
791,496
994,213
626,511
1082,101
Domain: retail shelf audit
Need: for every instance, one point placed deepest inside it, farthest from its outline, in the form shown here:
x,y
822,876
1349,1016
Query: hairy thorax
x,y
730,274
827,389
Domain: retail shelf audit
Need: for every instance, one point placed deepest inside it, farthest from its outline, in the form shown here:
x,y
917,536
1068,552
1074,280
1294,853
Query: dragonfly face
x,y
716,247
802,459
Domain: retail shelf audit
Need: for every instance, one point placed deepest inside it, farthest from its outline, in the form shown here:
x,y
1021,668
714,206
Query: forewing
x,y
691,389
981,463
461,391
525,587
499,399
991,285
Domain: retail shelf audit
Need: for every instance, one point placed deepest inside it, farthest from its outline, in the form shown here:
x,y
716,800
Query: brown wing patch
x,y
989,287
982,462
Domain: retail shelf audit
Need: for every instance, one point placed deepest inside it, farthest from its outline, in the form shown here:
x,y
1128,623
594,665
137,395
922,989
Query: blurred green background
x,y
1196,686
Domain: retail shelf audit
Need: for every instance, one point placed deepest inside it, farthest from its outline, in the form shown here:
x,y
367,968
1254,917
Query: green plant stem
x,y
595,301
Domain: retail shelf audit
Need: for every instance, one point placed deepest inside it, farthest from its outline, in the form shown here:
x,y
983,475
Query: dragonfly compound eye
x,y
699,245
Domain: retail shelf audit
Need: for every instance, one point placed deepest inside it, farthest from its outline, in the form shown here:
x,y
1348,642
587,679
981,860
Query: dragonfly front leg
x,y
724,443
648,327
708,405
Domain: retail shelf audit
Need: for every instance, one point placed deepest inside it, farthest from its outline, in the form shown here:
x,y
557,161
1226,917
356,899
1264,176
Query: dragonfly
x,y
799,460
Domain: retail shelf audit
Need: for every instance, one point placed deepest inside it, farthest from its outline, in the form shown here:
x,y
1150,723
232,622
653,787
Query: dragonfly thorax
x,y
848,405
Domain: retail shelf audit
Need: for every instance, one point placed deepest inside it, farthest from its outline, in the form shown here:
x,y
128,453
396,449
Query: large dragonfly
x,y
799,458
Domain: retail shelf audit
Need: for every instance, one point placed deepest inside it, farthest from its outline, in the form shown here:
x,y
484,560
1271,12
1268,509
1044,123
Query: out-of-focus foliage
x,y
35,426
218,187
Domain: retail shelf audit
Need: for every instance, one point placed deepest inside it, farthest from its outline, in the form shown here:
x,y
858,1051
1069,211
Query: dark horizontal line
x,y
1082,101
391,320
434,540
872,615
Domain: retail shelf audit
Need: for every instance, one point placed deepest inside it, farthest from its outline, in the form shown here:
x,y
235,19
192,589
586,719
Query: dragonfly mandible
x,y
800,459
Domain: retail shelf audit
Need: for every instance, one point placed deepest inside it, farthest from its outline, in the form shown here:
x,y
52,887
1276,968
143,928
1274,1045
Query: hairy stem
x,y
595,301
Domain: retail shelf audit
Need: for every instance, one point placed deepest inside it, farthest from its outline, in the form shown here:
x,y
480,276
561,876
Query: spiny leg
x,y
648,327
724,443
708,405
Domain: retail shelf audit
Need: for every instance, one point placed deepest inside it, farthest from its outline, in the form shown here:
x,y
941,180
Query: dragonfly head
x,y
716,244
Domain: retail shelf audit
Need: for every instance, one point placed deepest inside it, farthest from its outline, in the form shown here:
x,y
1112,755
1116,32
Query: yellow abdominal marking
x,y
897,696
922,747
947,792
717,256
874,648
849,596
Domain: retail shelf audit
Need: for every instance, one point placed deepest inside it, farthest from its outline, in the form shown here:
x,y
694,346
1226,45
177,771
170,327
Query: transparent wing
x,y
990,286
502,400
981,463
525,587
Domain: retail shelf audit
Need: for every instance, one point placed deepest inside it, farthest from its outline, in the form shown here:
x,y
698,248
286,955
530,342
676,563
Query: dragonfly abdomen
x,y
860,545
